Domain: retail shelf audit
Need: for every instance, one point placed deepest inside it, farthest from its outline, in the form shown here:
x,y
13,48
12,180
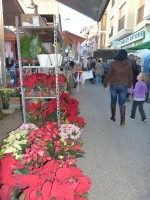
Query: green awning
x,y
145,45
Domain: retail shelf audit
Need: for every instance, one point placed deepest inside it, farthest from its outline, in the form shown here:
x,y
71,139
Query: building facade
x,y
128,24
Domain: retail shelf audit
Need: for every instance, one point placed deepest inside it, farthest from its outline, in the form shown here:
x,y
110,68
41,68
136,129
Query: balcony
x,y
140,14
111,32
112,3
121,23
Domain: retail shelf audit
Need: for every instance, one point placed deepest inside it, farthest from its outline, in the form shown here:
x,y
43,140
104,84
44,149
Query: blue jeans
x,y
120,91
98,79
148,88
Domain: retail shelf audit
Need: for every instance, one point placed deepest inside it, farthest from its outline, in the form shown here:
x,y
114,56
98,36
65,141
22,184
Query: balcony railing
x,y
121,23
112,3
140,14
111,31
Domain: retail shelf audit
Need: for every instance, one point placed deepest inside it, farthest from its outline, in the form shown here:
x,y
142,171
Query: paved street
x,y
117,158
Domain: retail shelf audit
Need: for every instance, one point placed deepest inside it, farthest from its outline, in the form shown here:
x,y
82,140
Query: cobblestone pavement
x,y
117,158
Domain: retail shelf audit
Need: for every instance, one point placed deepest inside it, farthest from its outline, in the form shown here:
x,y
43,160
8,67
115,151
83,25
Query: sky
x,y
73,21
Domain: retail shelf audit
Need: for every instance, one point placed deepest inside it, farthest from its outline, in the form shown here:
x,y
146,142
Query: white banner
x,y
87,74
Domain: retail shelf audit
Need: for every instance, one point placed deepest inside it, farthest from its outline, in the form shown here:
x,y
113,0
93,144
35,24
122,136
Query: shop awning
x,y
145,45
69,38
91,8
105,53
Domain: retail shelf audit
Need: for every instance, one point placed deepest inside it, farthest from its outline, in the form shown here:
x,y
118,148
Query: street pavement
x,y
117,158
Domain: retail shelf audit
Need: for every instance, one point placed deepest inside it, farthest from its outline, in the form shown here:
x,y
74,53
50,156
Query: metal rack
x,y
45,33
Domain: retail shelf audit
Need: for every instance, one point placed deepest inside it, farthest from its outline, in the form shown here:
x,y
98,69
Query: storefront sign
x,y
131,38
147,9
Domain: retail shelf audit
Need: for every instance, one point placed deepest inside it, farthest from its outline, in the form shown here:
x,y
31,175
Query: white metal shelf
x,y
50,67
46,34
49,97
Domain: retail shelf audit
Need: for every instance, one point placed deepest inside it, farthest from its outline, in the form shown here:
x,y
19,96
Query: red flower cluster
x,y
46,171
68,110
45,144
33,110
47,182
42,81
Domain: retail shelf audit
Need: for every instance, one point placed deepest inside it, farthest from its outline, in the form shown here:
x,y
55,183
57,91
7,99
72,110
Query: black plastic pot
x,y
5,106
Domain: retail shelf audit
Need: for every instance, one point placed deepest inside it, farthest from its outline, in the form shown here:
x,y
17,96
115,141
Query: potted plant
x,y
43,57
25,48
6,94
35,47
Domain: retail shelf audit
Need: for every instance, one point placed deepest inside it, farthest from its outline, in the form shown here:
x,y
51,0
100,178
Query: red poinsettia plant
x,y
68,111
42,81
33,110
50,181
29,81
46,170
45,144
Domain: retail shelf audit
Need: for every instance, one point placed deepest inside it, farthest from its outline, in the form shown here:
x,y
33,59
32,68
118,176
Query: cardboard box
x,y
15,100
32,20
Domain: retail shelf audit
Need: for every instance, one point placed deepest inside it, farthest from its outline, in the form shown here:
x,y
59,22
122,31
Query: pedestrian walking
x,y
139,93
99,71
106,67
146,69
120,77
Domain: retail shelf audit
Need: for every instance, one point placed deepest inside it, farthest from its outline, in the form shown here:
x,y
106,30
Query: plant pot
x,y
43,59
34,61
27,93
53,60
40,93
25,61
59,56
47,93
5,106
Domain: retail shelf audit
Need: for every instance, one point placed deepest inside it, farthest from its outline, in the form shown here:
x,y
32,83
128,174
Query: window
x,y
103,21
140,14
112,3
111,26
122,11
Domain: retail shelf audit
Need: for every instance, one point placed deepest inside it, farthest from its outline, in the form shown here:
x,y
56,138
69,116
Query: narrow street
x,y
117,158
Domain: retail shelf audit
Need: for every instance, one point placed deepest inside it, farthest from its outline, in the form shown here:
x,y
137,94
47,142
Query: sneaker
x,y
144,121
132,118
128,100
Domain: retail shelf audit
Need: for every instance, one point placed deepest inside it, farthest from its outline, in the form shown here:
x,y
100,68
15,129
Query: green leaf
x,y
38,194
79,155
51,150
21,171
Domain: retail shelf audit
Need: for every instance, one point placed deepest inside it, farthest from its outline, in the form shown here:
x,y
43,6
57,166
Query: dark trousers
x,y
141,110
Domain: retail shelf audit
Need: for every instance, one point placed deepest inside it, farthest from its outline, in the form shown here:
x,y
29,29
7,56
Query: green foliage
x,y
44,50
5,94
21,171
25,46
35,45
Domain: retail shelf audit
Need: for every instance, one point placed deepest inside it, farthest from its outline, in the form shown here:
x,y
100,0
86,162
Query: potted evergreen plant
x,y
25,48
35,48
